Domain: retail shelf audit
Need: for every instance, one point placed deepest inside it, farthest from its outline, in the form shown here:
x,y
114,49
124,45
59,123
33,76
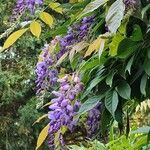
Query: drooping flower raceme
x,y
76,33
92,123
22,5
18,9
46,74
64,107
130,4
85,26
30,4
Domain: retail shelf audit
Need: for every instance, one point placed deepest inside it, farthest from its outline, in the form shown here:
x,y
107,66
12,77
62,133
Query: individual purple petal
x,y
70,108
59,94
65,87
71,96
64,103
54,106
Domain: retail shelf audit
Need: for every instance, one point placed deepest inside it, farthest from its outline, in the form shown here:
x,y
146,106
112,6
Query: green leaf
x,y
147,66
123,26
92,62
140,142
111,101
143,84
13,38
113,46
93,83
148,53
61,29
144,129
35,29
136,34
129,64
145,9
126,48
105,121
75,61
115,15
97,145
124,90
75,147
89,104
109,78
92,6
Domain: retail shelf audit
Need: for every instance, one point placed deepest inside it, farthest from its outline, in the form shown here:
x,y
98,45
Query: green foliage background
x,y
17,89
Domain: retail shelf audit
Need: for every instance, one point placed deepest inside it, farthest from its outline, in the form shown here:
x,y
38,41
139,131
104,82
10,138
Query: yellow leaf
x,y
93,47
59,10
62,72
62,58
40,118
47,18
63,129
35,29
42,136
71,55
77,48
1,49
80,46
56,7
14,37
73,1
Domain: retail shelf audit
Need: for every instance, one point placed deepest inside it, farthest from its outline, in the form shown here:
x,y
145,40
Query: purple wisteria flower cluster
x,y
46,75
22,5
130,4
92,123
76,33
64,107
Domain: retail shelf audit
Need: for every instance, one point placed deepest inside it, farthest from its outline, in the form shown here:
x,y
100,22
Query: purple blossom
x,y
22,5
92,123
76,33
63,110
30,4
18,9
130,4
46,75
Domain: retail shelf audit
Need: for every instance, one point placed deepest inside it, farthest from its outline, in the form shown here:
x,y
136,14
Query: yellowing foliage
x,y
96,45
13,38
35,29
47,18
56,7
62,58
42,136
